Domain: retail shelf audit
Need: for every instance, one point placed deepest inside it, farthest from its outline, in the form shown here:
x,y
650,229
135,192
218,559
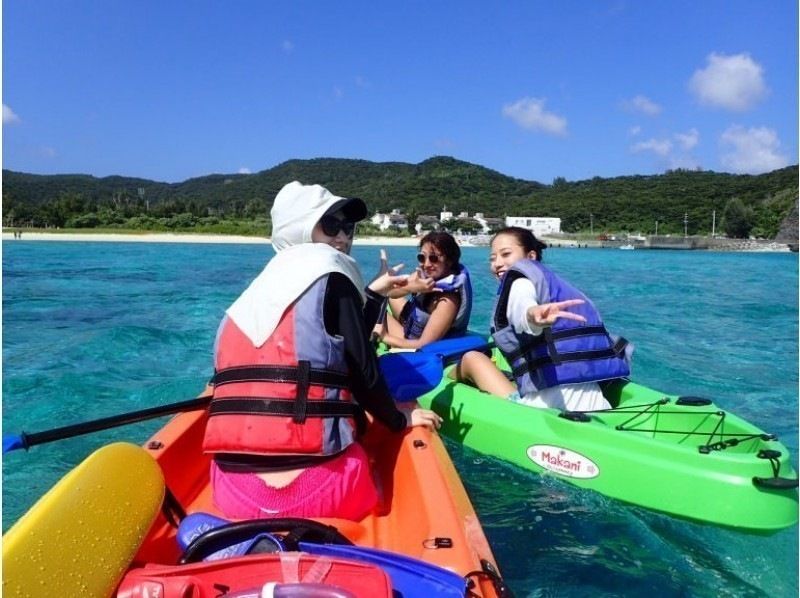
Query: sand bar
x,y
183,238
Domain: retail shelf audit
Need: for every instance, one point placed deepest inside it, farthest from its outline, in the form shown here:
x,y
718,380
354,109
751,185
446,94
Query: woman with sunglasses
x,y
433,311
550,333
294,369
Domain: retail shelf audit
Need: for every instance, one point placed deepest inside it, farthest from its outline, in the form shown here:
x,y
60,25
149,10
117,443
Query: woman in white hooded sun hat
x,y
294,367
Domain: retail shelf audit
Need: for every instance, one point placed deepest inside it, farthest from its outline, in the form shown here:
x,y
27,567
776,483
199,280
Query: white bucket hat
x,y
298,208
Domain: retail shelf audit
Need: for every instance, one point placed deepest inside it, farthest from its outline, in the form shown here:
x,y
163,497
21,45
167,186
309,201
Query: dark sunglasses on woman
x,y
332,225
432,258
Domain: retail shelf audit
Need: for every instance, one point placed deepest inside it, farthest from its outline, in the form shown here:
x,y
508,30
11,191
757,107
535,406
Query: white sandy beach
x,y
183,238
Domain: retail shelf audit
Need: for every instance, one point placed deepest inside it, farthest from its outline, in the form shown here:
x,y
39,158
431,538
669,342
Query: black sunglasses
x,y
433,258
332,225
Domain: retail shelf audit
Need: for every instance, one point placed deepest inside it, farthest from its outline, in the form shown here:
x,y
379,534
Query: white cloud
x,y
362,82
244,170
634,131
338,92
661,147
642,104
287,46
47,152
9,118
754,150
689,139
529,113
731,82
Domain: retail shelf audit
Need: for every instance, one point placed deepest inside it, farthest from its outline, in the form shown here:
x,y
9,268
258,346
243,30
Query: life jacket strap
x,y
615,351
550,336
301,400
281,407
279,373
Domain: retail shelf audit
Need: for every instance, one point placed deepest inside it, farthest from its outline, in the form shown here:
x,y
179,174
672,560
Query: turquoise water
x,y
95,329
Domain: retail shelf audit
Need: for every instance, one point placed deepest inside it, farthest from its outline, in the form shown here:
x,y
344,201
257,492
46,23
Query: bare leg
x,y
477,368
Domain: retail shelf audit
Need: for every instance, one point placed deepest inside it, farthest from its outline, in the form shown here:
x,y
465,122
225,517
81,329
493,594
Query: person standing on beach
x,y
294,368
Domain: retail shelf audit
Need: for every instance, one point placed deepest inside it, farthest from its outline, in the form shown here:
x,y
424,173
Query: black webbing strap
x,y
172,510
539,362
278,373
301,400
281,407
550,336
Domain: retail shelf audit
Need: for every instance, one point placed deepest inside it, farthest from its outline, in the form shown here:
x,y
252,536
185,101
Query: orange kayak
x,y
116,525
423,513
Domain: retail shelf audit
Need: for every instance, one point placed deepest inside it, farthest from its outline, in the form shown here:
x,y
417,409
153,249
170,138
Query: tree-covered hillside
x,y
632,203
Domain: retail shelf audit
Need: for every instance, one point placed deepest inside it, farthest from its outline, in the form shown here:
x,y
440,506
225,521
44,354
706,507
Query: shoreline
x,y
145,237
184,238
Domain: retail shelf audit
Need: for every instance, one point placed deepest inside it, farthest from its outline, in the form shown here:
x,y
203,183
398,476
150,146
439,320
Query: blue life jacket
x,y
415,318
567,352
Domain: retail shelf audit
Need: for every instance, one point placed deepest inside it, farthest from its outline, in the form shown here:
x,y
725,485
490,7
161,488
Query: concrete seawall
x,y
666,243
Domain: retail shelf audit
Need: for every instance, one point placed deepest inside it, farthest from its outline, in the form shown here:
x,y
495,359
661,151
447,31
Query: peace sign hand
x,y
547,313
387,278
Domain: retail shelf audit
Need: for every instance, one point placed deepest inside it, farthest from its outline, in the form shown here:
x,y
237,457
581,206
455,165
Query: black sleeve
x,y
343,316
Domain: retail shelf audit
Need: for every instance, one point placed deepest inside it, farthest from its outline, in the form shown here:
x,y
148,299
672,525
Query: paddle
x,y
411,374
12,442
408,375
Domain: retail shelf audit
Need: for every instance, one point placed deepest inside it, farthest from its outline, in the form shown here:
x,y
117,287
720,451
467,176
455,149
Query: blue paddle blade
x,y
12,443
409,375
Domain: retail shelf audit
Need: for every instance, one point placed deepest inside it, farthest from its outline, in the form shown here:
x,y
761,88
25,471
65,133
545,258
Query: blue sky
x,y
170,90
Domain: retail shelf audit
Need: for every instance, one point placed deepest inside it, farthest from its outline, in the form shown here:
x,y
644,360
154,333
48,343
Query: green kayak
x,y
678,455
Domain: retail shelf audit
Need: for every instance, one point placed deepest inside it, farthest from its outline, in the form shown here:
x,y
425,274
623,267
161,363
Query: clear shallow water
x,y
95,329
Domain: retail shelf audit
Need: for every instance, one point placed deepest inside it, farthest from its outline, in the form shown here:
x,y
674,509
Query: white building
x,y
538,226
395,220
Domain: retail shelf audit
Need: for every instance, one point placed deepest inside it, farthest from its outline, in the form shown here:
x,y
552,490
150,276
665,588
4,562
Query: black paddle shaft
x,y
113,421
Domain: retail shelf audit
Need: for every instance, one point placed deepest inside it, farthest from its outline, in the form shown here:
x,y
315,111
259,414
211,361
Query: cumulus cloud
x,y
752,151
660,147
287,46
529,113
642,104
689,139
244,170
732,82
9,117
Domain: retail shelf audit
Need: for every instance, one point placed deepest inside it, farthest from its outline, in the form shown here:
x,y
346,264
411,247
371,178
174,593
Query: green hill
x,y
631,203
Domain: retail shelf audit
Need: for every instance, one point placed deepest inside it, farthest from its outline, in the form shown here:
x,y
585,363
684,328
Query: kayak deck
x,y
421,499
680,456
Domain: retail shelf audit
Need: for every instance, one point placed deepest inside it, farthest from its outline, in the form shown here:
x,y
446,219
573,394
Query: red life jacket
x,y
288,397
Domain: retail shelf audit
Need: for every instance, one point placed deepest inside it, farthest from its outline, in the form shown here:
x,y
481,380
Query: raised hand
x,y
547,313
387,278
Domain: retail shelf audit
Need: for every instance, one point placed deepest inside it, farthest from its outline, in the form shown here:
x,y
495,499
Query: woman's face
x,y
505,252
433,262
342,238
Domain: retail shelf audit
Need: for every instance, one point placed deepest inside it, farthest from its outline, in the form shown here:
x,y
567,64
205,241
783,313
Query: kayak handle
x,y
229,534
693,401
775,483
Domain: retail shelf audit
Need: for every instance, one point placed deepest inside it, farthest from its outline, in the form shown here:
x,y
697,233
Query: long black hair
x,y
525,238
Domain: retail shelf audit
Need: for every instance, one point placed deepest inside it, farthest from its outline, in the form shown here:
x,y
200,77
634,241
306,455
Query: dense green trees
x,y
737,219
241,203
